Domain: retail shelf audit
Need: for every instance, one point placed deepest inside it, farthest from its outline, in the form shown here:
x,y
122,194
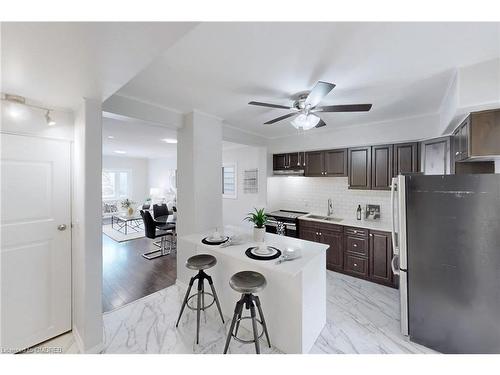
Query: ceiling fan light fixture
x,y
305,122
49,120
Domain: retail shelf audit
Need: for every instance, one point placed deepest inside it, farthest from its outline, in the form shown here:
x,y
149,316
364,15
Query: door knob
x,y
61,227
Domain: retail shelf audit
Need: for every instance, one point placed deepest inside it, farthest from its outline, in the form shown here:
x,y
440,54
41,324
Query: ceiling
x,y
59,63
404,69
138,139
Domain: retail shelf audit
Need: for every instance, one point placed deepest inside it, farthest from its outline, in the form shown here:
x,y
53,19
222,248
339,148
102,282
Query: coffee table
x,y
123,223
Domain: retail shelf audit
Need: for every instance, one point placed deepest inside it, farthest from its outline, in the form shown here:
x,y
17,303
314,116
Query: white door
x,y
35,245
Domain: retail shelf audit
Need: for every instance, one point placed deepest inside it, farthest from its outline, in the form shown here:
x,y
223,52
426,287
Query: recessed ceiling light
x,y
169,140
111,137
120,152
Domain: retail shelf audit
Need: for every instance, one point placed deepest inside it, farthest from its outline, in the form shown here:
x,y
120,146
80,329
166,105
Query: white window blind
x,y
229,181
115,184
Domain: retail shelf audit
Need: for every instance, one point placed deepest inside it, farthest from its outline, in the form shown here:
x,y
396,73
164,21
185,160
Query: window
x,y
115,184
229,181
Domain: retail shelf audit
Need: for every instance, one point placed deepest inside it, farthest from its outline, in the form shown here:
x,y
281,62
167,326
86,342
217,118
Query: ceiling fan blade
x,y
320,90
280,118
344,108
320,124
261,104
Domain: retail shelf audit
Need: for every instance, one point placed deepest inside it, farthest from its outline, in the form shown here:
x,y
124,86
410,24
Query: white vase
x,y
258,234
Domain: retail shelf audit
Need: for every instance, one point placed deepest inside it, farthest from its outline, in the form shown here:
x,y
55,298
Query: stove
x,y
284,222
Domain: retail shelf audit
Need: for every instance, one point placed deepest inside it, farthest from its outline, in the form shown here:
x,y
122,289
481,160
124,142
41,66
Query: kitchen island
x,y
294,300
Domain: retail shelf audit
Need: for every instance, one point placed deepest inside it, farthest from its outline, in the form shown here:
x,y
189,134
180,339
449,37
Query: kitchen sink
x,y
327,218
336,219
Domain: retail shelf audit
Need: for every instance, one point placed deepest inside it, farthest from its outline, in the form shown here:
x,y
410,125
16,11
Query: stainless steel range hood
x,y
289,172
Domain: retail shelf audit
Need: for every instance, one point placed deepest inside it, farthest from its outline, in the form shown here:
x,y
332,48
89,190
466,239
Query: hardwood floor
x,y
127,276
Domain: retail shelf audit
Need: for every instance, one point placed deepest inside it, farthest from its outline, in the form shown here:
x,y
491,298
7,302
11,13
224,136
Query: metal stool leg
x,y
239,317
203,299
264,325
237,311
198,309
185,299
211,283
254,326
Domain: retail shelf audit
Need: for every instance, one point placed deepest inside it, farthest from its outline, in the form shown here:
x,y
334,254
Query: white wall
x,y
310,194
161,175
86,231
476,88
245,157
138,184
408,129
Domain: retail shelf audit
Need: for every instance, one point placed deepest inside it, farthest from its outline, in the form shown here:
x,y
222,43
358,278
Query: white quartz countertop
x,y
349,222
308,250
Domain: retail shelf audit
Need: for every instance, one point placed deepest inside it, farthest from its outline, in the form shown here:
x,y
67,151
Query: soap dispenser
x,y
358,212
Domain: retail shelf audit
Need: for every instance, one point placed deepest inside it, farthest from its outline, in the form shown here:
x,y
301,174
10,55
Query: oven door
x,y
271,227
291,230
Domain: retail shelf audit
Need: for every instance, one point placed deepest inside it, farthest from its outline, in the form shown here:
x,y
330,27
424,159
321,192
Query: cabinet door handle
x,y
457,153
320,233
355,264
355,245
355,232
371,235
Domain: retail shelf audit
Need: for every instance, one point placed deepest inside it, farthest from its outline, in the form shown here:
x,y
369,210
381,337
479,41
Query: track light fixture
x,y
22,100
48,119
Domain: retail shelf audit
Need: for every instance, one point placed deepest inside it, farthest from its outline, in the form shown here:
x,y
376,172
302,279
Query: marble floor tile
x,y
63,344
362,317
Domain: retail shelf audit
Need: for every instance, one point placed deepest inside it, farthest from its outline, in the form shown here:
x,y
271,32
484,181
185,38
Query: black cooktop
x,y
286,214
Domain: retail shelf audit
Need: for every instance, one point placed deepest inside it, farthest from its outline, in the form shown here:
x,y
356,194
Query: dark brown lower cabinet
x,y
327,234
356,266
335,254
358,252
380,255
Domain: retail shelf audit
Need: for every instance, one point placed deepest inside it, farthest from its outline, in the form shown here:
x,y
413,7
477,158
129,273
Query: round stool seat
x,y
246,282
201,262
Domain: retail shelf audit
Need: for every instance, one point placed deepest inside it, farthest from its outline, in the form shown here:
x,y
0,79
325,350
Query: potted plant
x,y
258,218
127,205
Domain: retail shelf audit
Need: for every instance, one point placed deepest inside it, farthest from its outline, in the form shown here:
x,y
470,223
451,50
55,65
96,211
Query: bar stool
x,y
247,283
200,263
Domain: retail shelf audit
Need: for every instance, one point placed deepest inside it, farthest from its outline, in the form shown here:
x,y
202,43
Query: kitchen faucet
x,y
330,207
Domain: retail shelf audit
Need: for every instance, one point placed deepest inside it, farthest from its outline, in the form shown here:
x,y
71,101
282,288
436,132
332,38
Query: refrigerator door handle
x,y
393,215
395,265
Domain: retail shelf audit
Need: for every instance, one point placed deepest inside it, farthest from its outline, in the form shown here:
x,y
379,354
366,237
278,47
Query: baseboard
x,y
96,349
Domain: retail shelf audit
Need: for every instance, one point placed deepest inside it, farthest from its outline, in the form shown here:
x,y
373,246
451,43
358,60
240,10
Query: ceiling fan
x,y
305,107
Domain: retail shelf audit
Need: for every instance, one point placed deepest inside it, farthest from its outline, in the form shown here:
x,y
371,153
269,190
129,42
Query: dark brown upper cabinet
x,y
315,164
461,141
478,137
329,163
359,170
405,156
435,156
381,167
336,163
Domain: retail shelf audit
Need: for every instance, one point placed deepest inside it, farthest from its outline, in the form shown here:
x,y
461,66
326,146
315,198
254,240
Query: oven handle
x,y
290,226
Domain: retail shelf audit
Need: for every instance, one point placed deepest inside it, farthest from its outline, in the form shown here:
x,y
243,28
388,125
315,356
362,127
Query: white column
x,y
199,174
199,180
86,232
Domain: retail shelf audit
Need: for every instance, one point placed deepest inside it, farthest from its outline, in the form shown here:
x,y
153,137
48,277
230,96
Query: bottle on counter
x,y
358,212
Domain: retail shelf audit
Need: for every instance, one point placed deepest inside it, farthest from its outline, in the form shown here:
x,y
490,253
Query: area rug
x,y
121,237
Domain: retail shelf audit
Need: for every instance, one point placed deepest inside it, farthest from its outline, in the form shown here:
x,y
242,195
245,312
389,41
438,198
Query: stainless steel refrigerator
x,y
446,240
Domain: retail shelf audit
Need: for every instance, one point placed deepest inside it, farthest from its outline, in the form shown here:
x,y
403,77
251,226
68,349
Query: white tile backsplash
x,y
311,194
